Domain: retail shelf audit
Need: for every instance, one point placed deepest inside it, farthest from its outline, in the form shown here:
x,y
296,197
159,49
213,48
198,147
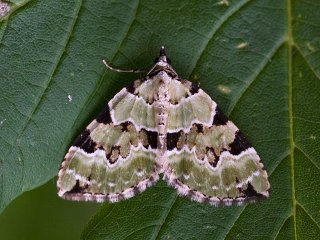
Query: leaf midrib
x,y
290,112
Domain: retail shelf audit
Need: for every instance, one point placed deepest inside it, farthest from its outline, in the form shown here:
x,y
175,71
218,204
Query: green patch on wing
x,y
97,177
229,179
196,108
217,138
108,136
128,107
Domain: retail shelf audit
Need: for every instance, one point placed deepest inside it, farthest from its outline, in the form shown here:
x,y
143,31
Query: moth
x,y
162,124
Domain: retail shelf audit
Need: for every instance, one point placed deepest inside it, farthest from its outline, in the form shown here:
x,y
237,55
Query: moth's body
x,y
161,107
162,124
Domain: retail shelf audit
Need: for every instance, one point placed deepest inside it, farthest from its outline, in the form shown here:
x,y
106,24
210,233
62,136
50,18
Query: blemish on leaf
x,y
195,77
224,2
242,45
310,47
2,121
224,89
69,98
210,227
4,9
313,137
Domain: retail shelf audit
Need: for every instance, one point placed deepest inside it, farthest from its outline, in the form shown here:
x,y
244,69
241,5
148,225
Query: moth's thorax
x,y
161,107
162,63
162,66
162,77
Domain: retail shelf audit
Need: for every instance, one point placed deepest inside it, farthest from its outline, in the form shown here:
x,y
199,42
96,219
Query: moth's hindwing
x,y
211,161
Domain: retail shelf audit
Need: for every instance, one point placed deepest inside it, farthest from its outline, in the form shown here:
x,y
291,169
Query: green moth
x,y
162,124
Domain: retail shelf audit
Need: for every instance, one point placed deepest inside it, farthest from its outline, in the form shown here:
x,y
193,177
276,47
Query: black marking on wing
x,y
212,162
199,127
239,144
237,180
219,118
173,139
77,188
152,139
121,197
191,193
104,116
131,88
125,126
112,151
194,88
85,142
136,190
251,192
174,101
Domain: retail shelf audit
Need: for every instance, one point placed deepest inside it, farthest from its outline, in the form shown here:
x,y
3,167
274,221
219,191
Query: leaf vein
x,y
306,60
306,120
98,222
165,216
271,171
290,112
41,97
234,222
305,210
215,29
307,156
261,67
282,225
138,230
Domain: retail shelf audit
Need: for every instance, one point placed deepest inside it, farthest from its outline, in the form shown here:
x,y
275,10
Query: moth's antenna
x,y
123,70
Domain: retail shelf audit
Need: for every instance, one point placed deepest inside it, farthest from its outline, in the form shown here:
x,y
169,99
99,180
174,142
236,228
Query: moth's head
x,y
162,63
162,57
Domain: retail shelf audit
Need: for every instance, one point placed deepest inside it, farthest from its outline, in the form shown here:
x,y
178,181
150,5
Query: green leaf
x,y
40,214
259,60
